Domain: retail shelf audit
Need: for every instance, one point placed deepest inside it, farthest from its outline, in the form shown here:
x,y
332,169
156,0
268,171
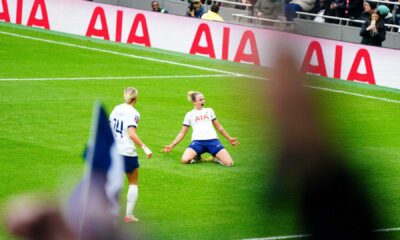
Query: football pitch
x,y
50,81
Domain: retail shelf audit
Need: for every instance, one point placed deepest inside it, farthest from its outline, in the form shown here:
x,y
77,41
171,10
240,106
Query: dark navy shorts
x,y
212,146
131,163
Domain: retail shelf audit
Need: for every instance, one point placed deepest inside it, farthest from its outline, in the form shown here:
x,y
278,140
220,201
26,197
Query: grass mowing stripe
x,y
116,78
192,66
121,54
218,198
195,76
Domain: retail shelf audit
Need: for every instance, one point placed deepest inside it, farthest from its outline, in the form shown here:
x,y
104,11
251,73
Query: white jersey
x,y
201,122
121,118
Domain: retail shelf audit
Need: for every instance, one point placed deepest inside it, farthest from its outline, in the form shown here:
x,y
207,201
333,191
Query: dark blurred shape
x,y
28,217
34,218
100,187
93,207
332,202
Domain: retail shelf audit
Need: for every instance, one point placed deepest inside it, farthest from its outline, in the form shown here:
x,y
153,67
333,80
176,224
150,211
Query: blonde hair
x,y
130,94
191,95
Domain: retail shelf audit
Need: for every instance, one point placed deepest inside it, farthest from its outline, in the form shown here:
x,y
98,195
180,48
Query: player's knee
x,y
224,162
228,164
185,161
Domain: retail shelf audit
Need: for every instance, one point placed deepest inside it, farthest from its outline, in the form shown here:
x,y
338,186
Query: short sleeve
x,y
186,120
133,120
212,114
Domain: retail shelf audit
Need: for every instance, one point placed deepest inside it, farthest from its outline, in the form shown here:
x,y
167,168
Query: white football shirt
x,y
201,122
121,118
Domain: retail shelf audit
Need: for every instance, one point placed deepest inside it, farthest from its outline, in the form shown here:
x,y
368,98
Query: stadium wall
x,y
225,41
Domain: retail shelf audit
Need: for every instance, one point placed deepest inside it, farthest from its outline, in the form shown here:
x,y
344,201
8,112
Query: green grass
x,y
46,124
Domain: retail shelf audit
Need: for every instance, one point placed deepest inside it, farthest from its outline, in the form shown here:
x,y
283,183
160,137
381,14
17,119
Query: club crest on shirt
x,y
201,117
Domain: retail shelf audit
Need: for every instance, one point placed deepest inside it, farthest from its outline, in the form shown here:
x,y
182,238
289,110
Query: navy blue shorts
x,y
212,146
131,163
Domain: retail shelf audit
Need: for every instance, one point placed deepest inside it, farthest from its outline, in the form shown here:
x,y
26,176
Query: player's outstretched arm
x,y
233,141
178,139
136,139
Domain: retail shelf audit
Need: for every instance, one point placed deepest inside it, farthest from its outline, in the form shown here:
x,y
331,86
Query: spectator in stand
x,y
373,31
386,16
298,6
267,9
195,9
393,16
252,2
155,6
369,7
212,14
351,9
397,15
388,4
208,2
246,2
330,10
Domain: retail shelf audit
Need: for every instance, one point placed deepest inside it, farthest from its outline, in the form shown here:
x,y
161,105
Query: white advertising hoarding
x,y
225,41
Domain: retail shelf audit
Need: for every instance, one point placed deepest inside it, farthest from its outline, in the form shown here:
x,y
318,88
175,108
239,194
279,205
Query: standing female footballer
x,y
204,137
124,121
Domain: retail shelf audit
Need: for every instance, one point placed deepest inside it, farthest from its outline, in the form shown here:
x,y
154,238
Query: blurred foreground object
x,y
29,217
93,207
332,202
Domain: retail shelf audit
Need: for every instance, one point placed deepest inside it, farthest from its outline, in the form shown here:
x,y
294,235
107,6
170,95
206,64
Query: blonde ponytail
x,y
191,95
130,94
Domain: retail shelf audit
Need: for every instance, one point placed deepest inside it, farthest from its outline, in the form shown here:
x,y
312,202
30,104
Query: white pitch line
x,y
280,237
354,94
308,235
122,54
116,78
388,230
191,66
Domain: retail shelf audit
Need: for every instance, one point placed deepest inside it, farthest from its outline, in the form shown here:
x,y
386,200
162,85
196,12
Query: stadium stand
x,y
178,7
341,32
233,4
305,23
278,24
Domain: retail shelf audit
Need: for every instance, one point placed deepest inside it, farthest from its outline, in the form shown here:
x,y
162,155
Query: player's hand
x,y
167,148
147,150
233,141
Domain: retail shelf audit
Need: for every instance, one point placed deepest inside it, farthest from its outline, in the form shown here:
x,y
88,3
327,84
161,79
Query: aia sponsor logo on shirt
x,y
201,118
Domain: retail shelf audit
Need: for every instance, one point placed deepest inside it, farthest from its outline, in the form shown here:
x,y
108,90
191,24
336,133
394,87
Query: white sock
x,y
131,199
218,161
